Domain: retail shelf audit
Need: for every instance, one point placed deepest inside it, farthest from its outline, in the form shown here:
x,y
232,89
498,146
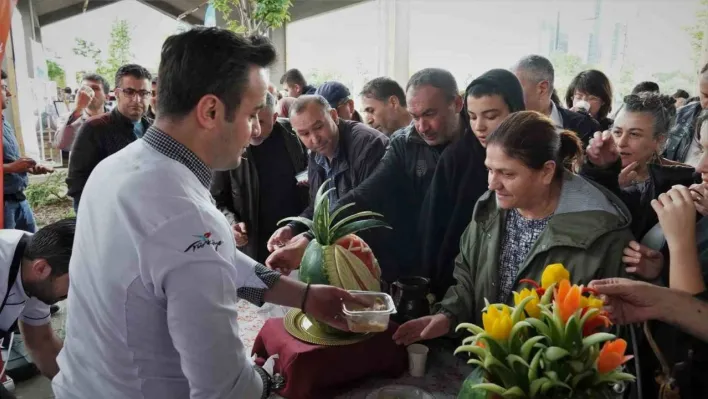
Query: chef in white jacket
x,y
156,275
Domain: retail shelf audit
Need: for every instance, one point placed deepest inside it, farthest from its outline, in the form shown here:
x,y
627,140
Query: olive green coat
x,y
587,234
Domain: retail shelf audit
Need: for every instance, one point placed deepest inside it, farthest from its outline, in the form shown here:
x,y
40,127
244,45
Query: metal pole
x,y
6,8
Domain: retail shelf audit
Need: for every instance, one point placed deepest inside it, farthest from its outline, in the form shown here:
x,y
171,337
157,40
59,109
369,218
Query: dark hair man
x,y
106,134
155,285
17,211
344,151
682,137
294,83
88,103
681,97
384,103
398,186
152,109
264,189
340,99
649,86
37,270
536,75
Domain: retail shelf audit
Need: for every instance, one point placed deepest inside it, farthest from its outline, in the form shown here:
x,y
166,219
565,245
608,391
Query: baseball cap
x,y
334,92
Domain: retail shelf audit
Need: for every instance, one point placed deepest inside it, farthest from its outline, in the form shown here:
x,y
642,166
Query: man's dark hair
x,y
436,77
660,106
53,243
133,70
649,86
4,75
293,77
301,103
100,79
681,93
537,68
382,89
594,83
206,61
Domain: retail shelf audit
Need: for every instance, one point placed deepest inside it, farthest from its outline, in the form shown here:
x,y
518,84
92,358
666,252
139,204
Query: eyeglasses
x,y
131,93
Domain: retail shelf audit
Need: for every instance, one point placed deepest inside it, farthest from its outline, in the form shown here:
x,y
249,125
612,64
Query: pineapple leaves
x,y
359,225
349,219
298,219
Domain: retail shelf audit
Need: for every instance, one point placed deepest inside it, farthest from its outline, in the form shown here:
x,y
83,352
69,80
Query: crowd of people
x,y
180,187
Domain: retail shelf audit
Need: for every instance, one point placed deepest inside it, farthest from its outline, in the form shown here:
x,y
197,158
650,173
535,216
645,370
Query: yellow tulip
x,y
554,274
497,323
591,302
531,308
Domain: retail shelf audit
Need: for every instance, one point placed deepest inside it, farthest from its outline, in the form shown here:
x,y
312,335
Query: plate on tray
x,y
399,392
300,327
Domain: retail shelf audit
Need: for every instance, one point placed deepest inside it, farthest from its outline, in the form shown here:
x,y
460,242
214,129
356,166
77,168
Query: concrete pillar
x,y
28,32
704,56
394,20
279,39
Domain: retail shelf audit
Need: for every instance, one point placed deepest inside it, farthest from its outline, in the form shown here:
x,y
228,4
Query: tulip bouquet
x,y
546,346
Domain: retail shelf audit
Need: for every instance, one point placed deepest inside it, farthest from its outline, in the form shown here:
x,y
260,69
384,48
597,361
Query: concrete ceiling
x,y
49,11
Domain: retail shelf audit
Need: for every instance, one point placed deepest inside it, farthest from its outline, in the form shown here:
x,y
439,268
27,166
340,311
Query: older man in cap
x,y
340,99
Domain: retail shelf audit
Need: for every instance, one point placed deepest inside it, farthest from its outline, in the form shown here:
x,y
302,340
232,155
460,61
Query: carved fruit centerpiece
x,y
337,256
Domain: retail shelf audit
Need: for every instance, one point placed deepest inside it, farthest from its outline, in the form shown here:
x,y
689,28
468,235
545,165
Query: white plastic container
x,y
372,319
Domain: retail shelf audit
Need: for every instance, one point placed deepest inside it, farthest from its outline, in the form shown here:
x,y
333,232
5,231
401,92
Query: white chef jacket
x,y
154,279
18,306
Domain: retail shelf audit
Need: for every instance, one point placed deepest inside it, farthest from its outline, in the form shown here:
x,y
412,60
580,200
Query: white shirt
x,y
153,286
30,310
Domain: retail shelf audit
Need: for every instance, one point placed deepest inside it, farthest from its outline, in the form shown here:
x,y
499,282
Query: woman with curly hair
x,y
591,92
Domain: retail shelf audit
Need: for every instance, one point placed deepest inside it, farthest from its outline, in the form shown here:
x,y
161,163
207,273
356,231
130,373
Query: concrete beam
x,y
165,7
307,8
70,11
279,39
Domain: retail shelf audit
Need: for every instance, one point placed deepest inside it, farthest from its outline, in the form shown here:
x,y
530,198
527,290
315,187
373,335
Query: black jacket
x,y
363,148
237,191
397,189
682,133
661,179
98,138
583,125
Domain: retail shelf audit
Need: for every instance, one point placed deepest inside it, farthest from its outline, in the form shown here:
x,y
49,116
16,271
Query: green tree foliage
x,y
56,73
118,50
697,30
566,66
253,16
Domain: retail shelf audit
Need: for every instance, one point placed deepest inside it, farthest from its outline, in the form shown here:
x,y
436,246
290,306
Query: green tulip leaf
x,y
476,362
555,353
580,377
494,347
548,295
493,388
536,385
612,377
514,392
517,327
519,309
533,367
472,328
573,333
528,346
540,326
474,349
597,338
589,314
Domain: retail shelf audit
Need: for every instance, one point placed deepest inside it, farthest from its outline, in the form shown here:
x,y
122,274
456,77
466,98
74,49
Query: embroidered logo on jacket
x,y
203,241
421,167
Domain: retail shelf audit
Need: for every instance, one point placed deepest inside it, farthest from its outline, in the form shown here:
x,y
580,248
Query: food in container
x,y
372,318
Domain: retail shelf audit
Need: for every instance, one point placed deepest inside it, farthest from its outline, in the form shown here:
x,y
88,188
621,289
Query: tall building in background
x,y
594,51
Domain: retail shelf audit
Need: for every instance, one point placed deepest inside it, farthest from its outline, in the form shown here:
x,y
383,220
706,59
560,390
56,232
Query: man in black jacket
x,y
398,186
345,152
263,189
106,134
682,145
536,75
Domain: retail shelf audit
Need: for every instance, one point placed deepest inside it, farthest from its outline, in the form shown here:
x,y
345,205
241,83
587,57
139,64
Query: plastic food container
x,y
370,319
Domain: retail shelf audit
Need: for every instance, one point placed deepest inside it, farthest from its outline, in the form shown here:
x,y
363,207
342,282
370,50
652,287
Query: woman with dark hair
x,y
591,92
536,213
461,177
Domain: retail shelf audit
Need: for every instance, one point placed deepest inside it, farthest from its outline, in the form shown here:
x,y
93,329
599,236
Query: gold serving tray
x,y
300,327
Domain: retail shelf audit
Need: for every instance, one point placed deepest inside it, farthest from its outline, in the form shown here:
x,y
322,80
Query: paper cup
x,y
417,356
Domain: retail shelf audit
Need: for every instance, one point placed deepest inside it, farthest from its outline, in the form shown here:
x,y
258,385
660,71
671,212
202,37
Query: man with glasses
x,y
104,135
339,98
88,103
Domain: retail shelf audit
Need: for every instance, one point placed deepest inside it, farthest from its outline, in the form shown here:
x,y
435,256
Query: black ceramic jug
x,y
410,295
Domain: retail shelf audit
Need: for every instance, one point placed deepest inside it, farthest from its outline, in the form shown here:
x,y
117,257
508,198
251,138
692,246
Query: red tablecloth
x,y
314,371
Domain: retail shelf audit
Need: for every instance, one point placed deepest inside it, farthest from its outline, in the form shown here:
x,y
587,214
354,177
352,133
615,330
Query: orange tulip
x,y
612,356
567,299
595,322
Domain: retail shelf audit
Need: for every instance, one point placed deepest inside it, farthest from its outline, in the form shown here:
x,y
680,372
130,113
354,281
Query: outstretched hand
x,y
601,150
426,327
629,301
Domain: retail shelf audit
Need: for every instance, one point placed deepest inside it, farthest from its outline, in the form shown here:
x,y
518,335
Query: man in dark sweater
x,y
398,186
263,189
536,75
345,152
106,134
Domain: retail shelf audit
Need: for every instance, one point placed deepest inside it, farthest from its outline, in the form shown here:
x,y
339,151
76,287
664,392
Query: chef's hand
x,y
240,234
643,261
288,257
41,170
602,150
21,165
426,327
699,192
279,238
629,301
324,303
